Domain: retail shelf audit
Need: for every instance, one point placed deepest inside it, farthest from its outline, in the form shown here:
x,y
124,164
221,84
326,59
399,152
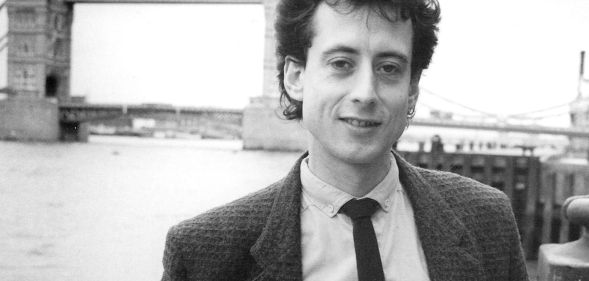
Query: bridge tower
x,y
579,111
39,36
263,125
37,63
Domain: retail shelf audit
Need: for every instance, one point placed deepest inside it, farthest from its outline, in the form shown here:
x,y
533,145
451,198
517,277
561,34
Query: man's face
x,y
355,86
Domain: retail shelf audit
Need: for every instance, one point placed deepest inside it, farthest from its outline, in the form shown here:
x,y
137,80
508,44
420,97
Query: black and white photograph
x,y
294,140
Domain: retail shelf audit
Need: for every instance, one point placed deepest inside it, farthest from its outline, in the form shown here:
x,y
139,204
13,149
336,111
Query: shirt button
x,y
329,208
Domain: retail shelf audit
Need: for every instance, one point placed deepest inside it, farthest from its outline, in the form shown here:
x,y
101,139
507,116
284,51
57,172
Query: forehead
x,y
361,27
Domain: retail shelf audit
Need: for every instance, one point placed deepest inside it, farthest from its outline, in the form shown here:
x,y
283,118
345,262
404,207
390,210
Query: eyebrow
x,y
350,50
339,49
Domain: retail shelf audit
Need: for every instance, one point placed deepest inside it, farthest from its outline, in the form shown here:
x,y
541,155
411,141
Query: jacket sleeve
x,y
174,269
517,270
517,262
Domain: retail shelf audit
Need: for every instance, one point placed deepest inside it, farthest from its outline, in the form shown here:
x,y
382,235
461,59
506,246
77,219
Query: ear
x,y
414,90
294,72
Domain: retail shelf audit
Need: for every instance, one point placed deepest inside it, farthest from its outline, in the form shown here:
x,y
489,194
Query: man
x,y
350,209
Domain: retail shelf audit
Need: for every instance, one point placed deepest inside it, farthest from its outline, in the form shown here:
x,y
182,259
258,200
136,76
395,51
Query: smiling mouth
x,y
361,123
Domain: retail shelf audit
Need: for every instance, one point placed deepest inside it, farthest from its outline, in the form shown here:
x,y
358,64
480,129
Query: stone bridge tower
x,y
263,126
579,111
37,62
39,40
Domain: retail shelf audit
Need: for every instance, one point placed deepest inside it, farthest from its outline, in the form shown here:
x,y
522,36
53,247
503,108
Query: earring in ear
x,y
411,113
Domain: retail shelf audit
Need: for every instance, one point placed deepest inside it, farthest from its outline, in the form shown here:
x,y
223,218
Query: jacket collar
x,y
451,252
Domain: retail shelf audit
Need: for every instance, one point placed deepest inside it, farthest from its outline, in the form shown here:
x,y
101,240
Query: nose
x,y
364,90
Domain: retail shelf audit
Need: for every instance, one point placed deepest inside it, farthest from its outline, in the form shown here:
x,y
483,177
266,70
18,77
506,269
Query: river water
x,y
101,210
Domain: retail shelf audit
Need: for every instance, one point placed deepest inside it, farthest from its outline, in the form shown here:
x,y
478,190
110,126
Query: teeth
x,y
360,123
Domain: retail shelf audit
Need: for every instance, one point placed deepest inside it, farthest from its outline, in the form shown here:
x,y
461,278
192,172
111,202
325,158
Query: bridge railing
x,y
537,189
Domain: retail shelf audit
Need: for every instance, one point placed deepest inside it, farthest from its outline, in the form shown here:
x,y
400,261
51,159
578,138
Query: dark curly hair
x,y
294,34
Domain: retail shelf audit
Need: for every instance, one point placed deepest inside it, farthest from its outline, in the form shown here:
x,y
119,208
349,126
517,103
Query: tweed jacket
x,y
467,231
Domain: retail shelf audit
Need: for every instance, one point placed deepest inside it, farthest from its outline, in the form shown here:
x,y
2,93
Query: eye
x,y
389,69
341,64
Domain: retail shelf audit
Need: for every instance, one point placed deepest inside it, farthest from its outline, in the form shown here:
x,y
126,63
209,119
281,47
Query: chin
x,y
363,155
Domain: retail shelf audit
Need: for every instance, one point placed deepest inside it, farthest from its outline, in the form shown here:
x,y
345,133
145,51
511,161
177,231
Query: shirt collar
x,y
329,199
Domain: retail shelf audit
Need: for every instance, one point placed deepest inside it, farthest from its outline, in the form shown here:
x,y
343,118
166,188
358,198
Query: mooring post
x,y
568,261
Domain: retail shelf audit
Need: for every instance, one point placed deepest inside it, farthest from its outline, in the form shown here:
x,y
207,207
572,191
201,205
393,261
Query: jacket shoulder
x,y
217,242
235,220
484,209
487,214
462,192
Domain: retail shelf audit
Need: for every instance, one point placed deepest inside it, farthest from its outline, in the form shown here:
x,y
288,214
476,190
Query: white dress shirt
x,y
327,240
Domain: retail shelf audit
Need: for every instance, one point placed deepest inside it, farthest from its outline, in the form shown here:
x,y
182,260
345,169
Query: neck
x,y
352,178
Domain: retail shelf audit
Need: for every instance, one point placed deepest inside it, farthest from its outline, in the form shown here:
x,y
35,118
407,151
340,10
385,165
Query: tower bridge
x,y
84,112
75,118
37,43
37,47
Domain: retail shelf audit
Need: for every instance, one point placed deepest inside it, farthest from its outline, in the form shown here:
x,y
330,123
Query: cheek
x,y
397,104
311,107
317,97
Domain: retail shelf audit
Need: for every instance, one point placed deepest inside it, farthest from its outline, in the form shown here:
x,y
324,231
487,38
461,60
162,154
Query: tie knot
x,y
359,208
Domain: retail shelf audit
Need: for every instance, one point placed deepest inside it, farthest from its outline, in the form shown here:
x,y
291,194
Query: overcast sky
x,y
504,57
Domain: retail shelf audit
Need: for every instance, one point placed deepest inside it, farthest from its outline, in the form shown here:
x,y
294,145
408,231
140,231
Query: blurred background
x,y
118,119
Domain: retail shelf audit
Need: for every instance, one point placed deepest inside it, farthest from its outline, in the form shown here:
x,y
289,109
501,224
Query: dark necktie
x,y
367,255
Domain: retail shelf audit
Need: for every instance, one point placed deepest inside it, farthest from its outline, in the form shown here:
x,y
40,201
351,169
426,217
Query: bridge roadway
x,y
167,1
84,112
529,129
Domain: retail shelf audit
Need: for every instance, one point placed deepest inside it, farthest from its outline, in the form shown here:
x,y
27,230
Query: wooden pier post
x,y
568,261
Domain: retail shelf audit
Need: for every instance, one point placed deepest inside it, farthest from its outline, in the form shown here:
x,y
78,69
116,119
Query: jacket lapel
x,y
451,252
278,249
